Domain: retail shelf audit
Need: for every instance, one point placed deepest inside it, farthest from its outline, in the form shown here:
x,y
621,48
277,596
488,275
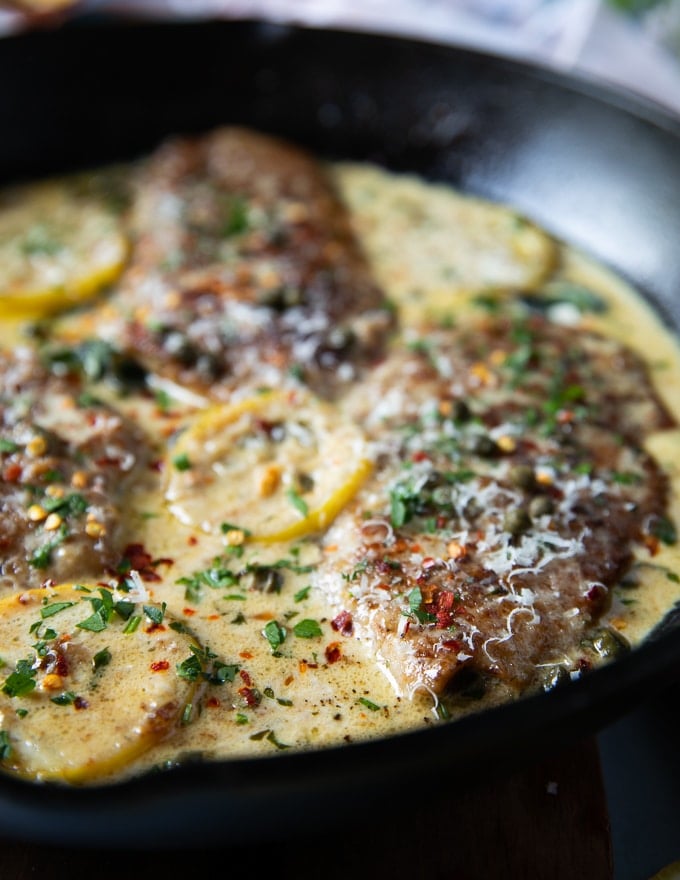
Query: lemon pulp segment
x,y
85,691
58,247
276,467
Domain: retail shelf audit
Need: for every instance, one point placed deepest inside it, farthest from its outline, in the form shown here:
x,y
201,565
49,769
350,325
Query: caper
x,y
483,445
608,643
541,506
304,481
522,476
460,411
516,521
267,580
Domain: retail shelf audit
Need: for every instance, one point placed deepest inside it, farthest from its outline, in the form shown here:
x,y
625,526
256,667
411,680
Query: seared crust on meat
x,y
510,494
245,269
66,463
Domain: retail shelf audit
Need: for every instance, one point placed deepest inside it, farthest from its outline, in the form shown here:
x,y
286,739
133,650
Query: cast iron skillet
x,y
598,170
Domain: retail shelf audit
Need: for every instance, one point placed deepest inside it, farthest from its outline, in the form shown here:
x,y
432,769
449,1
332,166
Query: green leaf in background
x,y
636,7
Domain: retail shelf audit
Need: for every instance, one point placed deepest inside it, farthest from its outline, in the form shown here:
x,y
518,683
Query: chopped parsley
x,y
22,680
181,462
369,704
298,502
307,629
275,634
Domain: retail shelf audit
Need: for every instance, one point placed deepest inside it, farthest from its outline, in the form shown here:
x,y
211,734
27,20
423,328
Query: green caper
x,y
483,445
541,506
609,643
522,476
516,521
460,411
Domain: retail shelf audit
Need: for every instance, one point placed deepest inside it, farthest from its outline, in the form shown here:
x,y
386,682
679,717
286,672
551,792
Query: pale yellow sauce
x,y
313,702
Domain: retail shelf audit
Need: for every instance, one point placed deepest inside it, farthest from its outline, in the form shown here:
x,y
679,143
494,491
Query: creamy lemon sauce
x,y
297,681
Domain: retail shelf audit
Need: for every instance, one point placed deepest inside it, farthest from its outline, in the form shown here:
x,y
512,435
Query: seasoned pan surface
x,y
598,170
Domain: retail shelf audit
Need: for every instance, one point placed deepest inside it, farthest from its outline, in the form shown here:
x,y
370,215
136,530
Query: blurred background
x,y
633,44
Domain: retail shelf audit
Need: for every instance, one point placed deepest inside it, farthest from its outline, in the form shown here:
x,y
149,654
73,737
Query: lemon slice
x,y
432,247
277,466
58,247
84,691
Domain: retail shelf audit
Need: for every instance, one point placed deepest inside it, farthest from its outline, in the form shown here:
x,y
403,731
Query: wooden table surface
x,y
548,821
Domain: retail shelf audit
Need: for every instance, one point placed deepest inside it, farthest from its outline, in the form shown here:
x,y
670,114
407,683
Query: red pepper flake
x,y
246,655
444,608
289,680
420,455
343,623
596,593
250,696
80,703
155,627
213,617
160,666
245,677
108,461
136,557
12,473
333,652
61,663
651,543
212,703
189,611
157,465
192,540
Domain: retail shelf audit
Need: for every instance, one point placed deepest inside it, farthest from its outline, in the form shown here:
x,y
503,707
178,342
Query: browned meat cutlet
x,y
507,500
245,269
66,463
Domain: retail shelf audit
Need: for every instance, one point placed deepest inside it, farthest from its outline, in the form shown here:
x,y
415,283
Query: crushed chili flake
x,y
250,696
212,703
160,666
12,473
245,655
80,703
343,623
192,540
155,627
136,557
651,543
188,611
108,461
245,677
333,652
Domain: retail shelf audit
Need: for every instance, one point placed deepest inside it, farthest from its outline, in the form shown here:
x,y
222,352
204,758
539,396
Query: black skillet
x,y
597,169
